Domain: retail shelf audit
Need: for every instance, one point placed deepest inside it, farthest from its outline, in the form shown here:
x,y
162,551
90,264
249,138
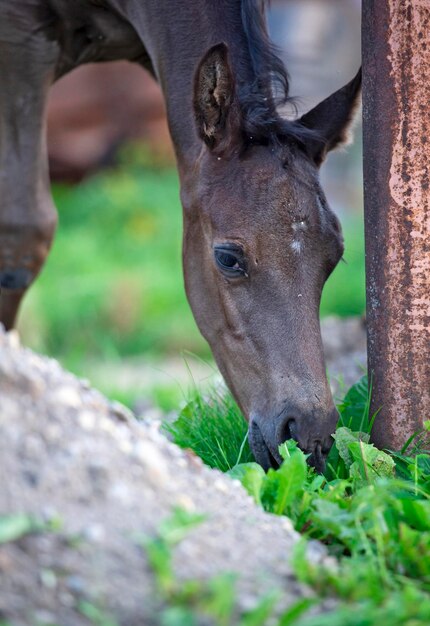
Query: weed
x,y
371,509
95,615
17,525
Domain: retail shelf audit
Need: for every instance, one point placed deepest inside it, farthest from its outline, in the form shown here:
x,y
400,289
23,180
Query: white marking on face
x,y
299,225
296,246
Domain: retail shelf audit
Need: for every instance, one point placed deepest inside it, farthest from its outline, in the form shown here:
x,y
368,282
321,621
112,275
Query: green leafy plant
x,y
17,525
375,522
371,509
95,615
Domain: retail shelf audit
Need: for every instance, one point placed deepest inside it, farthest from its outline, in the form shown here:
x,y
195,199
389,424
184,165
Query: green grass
x,y
112,286
214,428
371,509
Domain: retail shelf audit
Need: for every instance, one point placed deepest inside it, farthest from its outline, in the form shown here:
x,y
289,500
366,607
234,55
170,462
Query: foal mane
x,y
259,100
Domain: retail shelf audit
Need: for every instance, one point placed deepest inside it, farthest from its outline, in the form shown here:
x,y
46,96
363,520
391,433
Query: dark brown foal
x,y
259,237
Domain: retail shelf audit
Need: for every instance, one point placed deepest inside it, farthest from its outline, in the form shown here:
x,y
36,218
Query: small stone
x,y
98,475
125,446
95,533
44,617
33,447
121,412
48,579
288,526
66,396
120,491
185,502
75,584
66,599
220,486
87,420
108,426
13,339
316,553
153,460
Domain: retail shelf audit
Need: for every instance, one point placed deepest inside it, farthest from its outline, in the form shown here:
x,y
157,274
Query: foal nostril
x,y
292,427
317,457
287,430
259,447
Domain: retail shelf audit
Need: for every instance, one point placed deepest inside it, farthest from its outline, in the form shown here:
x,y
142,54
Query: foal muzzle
x,y
313,437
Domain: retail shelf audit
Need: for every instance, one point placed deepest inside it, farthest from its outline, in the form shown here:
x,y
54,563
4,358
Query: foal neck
x,y
176,36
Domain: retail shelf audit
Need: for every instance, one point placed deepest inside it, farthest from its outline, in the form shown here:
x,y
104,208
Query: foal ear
x,y
331,119
214,93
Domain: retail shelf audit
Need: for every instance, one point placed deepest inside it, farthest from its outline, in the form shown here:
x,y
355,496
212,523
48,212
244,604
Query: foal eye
x,y
226,260
230,261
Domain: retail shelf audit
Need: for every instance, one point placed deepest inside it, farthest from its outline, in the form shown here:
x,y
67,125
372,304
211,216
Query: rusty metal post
x,y
396,133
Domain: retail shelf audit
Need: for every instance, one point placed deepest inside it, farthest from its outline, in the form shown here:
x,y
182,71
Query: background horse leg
x,y
27,214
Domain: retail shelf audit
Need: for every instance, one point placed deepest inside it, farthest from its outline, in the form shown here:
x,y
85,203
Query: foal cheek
x,y
202,296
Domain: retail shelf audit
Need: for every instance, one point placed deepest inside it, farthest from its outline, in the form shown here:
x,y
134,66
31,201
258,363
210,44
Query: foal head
x,y
259,243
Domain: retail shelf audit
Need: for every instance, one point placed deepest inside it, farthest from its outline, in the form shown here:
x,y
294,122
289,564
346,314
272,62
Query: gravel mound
x,y
67,453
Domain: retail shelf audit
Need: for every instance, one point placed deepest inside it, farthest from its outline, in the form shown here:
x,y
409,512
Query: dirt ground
x,y
68,454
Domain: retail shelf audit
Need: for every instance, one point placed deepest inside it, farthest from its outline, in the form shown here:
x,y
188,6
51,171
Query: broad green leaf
x,y
343,437
251,475
13,527
402,464
335,467
283,485
417,513
220,597
335,521
315,483
288,448
289,617
414,548
174,528
336,491
178,616
369,462
354,410
423,463
159,555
